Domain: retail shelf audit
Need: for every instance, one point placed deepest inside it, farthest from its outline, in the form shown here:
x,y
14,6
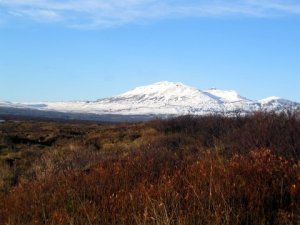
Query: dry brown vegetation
x,y
208,170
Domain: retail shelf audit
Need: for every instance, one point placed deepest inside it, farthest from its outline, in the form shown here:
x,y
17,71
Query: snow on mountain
x,y
226,96
269,99
233,102
276,104
164,98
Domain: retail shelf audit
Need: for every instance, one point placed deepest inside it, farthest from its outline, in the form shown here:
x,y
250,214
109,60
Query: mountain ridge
x,y
165,98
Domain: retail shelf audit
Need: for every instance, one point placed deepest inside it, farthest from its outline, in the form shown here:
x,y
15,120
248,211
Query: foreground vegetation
x,y
188,170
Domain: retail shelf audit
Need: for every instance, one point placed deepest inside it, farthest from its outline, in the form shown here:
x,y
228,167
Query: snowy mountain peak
x,y
160,88
277,104
164,98
270,99
167,83
226,96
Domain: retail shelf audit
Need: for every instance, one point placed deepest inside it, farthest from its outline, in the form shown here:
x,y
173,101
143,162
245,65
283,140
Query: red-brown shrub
x,y
192,170
258,188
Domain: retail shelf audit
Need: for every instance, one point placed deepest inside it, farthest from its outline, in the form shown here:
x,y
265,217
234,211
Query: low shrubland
x,y
188,170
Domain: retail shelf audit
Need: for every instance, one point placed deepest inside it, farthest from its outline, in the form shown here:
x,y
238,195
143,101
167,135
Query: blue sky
x,y
54,50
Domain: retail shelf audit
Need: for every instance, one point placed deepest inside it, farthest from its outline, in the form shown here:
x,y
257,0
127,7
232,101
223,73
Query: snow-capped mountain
x,y
163,98
277,104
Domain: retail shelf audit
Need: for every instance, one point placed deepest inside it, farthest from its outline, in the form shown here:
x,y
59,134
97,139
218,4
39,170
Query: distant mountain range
x,y
156,100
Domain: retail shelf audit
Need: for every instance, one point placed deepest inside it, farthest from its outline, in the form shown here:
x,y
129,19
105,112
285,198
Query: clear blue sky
x,y
84,50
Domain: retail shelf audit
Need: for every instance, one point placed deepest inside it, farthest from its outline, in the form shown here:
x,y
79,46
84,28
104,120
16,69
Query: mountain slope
x,y
163,98
277,104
